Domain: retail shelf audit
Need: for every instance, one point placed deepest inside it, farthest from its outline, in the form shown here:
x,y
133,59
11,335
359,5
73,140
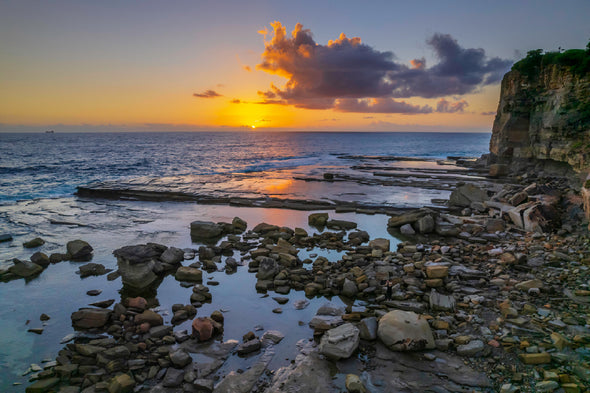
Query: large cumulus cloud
x,y
350,76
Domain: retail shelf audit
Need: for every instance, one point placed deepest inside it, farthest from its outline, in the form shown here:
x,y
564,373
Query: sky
x,y
269,65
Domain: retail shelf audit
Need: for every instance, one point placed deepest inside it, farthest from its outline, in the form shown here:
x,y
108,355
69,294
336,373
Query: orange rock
x,y
202,329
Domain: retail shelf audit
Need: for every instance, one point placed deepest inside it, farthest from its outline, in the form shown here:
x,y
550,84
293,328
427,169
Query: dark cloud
x,y
379,105
444,106
321,76
236,101
207,94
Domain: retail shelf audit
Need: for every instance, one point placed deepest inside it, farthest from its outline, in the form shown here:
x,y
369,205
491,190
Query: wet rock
x,y
425,224
25,268
407,230
526,285
173,378
239,225
317,220
437,271
202,329
79,250
149,316
300,304
191,274
103,303
205,230
136,264
349,288
340,342
160,331
368,328
248,347
57,257
380,244
405,331
92,269
40,259
272,336
94,292
231,264
354,384
36,242
281,300
180,358
407,218
205,385
267,269
122,383
440,302
86,318
341,224
471,349
42,385
498,170
137,303
466,194
5,237
264,228
172,256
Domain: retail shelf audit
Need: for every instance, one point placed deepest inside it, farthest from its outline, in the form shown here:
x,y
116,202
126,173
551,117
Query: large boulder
x,y
40,259
202,328
267,269
264,228
380,244
317,219
87,318
340,342
205,230
136,264
535,217
239,225
79,250
465,195
408,218
405,331
172,256
25,268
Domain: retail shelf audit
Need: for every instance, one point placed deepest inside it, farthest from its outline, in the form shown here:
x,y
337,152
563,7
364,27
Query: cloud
x,y
236,101
207,94
247,68
379,105
444,106
335,75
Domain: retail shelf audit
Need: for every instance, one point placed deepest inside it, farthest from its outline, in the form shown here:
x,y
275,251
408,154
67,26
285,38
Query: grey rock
x,y
25,268
405,331
79,250
173,378
205,230
464,195
471,349
249,346
172,256
206,385
441,302
330,308
267,269
407,230
92,269
340,342
180,358
368,328
349,289
425,224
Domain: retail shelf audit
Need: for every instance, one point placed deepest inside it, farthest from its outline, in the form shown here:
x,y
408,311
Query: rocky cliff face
x,y
544,117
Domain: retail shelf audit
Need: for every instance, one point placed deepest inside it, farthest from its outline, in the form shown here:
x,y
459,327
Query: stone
x,y
79,250
206,385
149,316
471,349
498,170
437,271
317,219
264,228
136,264
466,194
440,302
340,342
267,269
160,331
341,224
407,230
239,225
272,336
493,225
526,285
122,383
546,386
368,328
380,244
25,268
331,309
353,384
94,292
92,269
407,218
231,264
300,304
5,237
535,358
172,256
248,347
180,358
425,224
187,273
518,198
42,385
349,288
40,259
173,378
86,318
405,331
205,230
202,329
137,302
36,242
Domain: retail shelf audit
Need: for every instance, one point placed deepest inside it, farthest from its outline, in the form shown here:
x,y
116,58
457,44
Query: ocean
x,y
53,165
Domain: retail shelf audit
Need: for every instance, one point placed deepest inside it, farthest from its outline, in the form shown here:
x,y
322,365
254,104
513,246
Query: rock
x,y
205,385
526,285
353,384
94,292
180,358
173,378
191,274
79,250
272,336
437,271
267,269
340,342
172,256
231,264
36,242
137,302
317,219
518,198
248,347
408,218
380,244
498,170
466,194
153,318
205,230
300,304
349,289
92,269
440,302
25,269
535,358
407,230
202,329
493,225
5,237
103,303
42,385
44,317
341,224
425,224
264,228
40,259
160,331
239,225
331,309
471,349
136,264
122,383
368,328
546,386
405,331
300,232
86,318
280,299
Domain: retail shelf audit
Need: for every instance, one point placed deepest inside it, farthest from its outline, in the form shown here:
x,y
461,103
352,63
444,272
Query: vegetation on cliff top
x,y
578,60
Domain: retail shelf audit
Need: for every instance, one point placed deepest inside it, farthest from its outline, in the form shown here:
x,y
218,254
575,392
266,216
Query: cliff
x,y
544,115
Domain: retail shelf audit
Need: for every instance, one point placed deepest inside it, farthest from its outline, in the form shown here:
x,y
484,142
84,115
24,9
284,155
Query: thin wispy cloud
x,y
445,106
350,76
207,94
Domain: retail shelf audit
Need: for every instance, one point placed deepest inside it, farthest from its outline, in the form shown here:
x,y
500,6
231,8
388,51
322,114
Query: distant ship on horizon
x,y
50,132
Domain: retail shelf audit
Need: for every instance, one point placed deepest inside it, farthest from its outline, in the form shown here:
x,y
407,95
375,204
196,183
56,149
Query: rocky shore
x,y
490,294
